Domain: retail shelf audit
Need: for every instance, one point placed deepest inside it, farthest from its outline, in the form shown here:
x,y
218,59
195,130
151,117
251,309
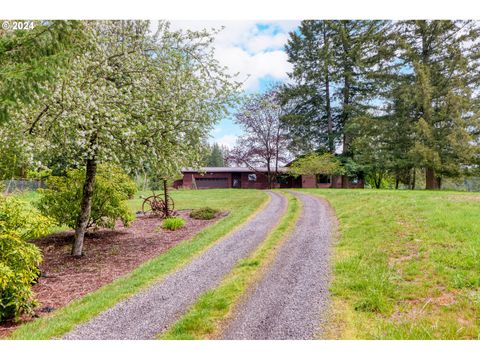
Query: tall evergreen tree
x,y
215,157
310,115
438,57
336,70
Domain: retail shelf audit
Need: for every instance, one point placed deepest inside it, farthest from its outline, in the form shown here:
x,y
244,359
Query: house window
x,y
354,180
252,177
324,179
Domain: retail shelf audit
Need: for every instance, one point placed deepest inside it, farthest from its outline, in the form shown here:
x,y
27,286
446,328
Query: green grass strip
x,y
205,317
81,310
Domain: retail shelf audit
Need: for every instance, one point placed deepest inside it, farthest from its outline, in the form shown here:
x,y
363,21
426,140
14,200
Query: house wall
x,y
342,182
337,182
305,181
350,185
260,183
309,181
188,178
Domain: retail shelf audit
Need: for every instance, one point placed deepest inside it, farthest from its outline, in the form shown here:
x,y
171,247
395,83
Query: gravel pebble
x,y
289,301
154,309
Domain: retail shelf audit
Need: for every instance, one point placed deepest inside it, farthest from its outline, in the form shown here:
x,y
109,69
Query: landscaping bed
x,y
109,254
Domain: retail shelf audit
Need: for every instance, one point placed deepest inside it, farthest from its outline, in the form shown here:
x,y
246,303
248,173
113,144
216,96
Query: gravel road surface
x,y
289,301
153,310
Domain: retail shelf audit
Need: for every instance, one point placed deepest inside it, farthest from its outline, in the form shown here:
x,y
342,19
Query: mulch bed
x,y
109,254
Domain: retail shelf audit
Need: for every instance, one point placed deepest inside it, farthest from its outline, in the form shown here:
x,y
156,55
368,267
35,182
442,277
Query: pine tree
x,y
438,57
308,101
337,66
215,157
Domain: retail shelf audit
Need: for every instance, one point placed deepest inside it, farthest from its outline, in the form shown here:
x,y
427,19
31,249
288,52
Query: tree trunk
x,y
431,180
414,178
397,181
86,207
165,194
378,181
345,114
269,175
328,107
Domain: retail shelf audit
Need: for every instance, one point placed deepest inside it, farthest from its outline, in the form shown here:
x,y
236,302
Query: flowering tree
x,y
264,143
132,97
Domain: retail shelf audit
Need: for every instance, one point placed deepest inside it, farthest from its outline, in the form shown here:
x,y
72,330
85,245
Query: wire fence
x,y
10,186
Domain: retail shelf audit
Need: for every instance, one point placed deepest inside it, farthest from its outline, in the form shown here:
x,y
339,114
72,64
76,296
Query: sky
x,y
254,50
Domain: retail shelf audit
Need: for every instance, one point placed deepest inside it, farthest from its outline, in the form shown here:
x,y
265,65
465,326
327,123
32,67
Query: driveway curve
x,y
290,300
154,309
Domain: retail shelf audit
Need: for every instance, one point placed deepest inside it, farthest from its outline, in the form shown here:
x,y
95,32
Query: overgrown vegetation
x,y
61,200
204,213
406,265
19,259
204,318
173,223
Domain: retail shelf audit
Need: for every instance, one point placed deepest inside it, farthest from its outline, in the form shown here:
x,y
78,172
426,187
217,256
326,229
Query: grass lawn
x,y
240,203
184,199
204,319
406,264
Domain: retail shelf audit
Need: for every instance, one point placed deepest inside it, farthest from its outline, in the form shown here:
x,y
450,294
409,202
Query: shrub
x,y
61,200
19,259
205,213
173,223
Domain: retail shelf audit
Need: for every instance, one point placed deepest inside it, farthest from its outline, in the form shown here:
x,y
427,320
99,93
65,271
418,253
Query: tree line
x,y
392,97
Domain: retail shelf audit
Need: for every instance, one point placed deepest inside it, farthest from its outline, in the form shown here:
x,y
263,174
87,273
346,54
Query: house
x,y
246,178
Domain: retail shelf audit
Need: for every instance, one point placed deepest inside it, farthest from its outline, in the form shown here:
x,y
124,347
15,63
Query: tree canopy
x,y
392,96
127,95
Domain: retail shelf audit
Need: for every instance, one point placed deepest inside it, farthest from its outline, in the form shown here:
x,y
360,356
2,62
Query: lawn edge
x,y
48,327
240,280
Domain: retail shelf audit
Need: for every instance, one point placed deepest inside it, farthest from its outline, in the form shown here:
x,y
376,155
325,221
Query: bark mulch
x,y
109,254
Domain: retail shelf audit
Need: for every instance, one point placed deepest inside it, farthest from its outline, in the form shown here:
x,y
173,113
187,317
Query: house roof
x,y
229,169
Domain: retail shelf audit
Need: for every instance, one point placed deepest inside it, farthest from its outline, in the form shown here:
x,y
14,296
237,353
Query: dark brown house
x,y
246,178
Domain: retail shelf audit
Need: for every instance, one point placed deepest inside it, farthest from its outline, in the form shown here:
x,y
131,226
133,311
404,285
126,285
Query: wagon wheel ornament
x,y
155,205
161,205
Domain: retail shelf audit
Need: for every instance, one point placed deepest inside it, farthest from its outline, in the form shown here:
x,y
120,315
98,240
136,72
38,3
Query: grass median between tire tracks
x,y
205,318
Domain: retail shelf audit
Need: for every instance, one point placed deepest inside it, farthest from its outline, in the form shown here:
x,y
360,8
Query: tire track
x,y
289,301
153,310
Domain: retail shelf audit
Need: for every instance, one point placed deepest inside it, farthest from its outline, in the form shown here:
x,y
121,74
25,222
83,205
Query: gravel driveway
x,y
288,302
151,311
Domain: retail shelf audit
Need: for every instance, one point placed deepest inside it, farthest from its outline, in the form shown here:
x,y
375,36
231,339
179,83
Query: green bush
x,y
61,200
205,213
173,223
19,259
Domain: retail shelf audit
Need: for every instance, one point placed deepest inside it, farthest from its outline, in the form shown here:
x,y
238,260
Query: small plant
x,y
205,213
173,223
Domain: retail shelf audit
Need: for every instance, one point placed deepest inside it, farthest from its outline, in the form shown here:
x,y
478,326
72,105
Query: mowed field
x,y
406,264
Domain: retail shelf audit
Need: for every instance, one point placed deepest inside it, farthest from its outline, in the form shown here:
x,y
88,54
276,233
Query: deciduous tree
x,y
264,141
134,98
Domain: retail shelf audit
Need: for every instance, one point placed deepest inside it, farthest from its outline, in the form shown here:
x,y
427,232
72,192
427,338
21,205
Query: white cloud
x,y
248,50
227,140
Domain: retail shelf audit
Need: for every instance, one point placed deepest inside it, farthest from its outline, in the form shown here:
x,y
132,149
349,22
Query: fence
x,y
21,185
